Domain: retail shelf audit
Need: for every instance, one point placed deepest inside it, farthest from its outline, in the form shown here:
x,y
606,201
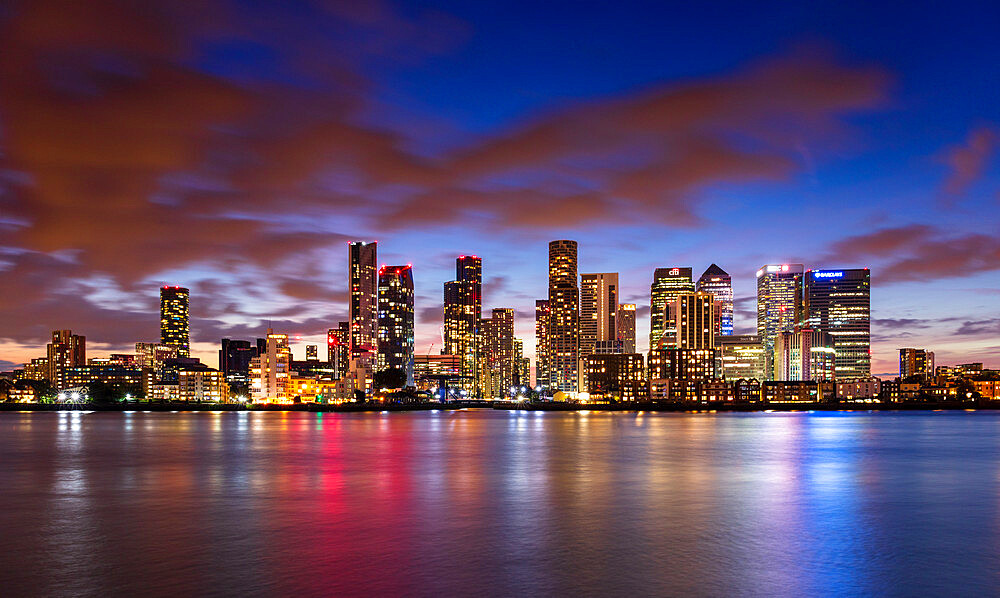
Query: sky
x,y
237,147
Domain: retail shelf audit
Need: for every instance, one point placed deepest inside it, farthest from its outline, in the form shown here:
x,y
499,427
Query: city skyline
x,y
841,145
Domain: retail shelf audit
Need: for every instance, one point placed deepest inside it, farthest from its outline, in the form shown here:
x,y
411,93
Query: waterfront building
x,y
201,385
598,310
667,283
542,317
618,376
234,363
859,389
363,281
625,326
798,391
692,315
66,350
776,301
338,349
838,302
523,365
433,371
742,357
463,311
395,319
269,371
717,281
683,364
804,354
746,390
36,369
916,362
117,379
499,361
175,319
564,317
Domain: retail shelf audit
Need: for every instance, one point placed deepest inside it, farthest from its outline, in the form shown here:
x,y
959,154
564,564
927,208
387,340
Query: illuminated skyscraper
x,y
776,286
395,319
542,317
838,302
667,283
234,363
338,349
717,281
804,354
364,312
625,326
270,370
742,357
499,363
564,317
693,317
67,350
598,310
523,364
916,362
463,310
174,319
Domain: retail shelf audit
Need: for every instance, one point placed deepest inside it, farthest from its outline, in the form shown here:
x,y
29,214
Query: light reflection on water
x,y
456,503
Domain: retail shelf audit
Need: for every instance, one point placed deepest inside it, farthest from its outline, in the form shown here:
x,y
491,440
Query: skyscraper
x,y
804,354
234,363
395,319
269,371
463,310
667,282
776,286
174,319
67,350
564,316
717,281
499,363
693,315
838,302
916,362
625,326
598,310
542,317
364,312
338,349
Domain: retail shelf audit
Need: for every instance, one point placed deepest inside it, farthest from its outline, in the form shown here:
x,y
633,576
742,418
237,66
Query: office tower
x,y
667,283
625,326
542,317
804,354
916,362
234,363
463,310
693,316
499,364
717,281
174,319
742,357
270,370
364,312
65,351
395,319
776,286
338,349
618,376
598,310
523,365
564,317
838,302
312,352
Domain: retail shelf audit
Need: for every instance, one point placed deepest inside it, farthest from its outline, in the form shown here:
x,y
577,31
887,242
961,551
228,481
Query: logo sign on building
x,y
837,274
675,272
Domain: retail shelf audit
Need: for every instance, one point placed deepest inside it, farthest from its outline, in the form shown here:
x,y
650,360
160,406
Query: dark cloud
x,y
966,162
990,327
6,366
896,323
430,315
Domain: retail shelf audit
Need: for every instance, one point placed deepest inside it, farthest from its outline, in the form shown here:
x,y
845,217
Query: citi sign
x,y
837,274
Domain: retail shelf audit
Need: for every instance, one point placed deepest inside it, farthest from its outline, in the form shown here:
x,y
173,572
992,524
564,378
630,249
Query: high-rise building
x,y
564,317
916,362
463,310
667,283
804,354
717,281
693,317
542,317
598,310
269,371
776,284
65,351
364,312
499,361
234,364
338,349
175,319
742,357
838,302
625,326
523,364
395,319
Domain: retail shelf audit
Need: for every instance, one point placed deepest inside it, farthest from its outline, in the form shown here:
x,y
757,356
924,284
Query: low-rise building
x,y
798,391
617,376
858,389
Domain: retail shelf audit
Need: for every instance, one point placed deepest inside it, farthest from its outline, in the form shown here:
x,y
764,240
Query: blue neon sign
x,y
837,274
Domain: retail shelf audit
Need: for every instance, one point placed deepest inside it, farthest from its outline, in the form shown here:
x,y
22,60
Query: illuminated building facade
x,y
564,316
776,292
618,376
667,283
523,364
338,349
175,319
363,312
463,311
312,353
432,371
742,357
270,370
395,319
916,362
499,362
118,379
838,302
234,363
67,350
683,364
692,314
804,354
202,385
598,310
625,326
717,281
542,318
